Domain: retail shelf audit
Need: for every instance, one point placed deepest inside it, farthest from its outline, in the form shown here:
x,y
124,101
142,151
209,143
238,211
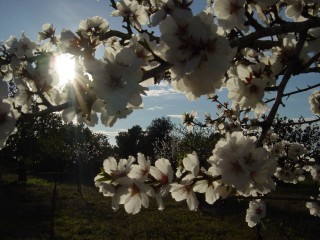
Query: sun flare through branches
x,y
65,67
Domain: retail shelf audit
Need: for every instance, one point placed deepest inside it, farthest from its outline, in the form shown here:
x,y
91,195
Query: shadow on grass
x,y
25,213
293,220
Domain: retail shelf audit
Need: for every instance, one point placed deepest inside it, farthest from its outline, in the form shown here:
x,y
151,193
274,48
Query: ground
x,y
29,211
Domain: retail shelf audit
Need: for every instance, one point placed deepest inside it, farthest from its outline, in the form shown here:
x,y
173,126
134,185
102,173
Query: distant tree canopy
x,y
307,134
137,140
130,142
158,135
159,128
46,144
162,138
201,140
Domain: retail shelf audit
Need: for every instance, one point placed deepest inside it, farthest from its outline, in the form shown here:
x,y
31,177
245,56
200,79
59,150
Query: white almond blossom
x,y
48,32
24,96
314,207
261,7
163,174
140,170
106,118
315,172
314,101
230,13
163,7
212,189
188,118
23,47
174,8
200,57
140,51
116,79
105,186
278,150
132,10
192,165
8,119
93,26
255,212
241,165
246,87
132,194
285,53
294,8
69,42
290,174
184,191
296,150
113,173
6,73
119,169
89,119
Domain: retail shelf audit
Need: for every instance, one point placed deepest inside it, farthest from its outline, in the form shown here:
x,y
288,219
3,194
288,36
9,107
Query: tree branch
x,y
113,4
264,44
114,33
307,65
156,71
58,108
299,27
268,122
312,70
253,22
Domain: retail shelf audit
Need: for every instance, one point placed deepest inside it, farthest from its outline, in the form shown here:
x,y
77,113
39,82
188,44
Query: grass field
x,y
27,212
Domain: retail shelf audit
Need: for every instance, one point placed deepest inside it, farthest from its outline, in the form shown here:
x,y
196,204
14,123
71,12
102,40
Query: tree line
x,y
47,145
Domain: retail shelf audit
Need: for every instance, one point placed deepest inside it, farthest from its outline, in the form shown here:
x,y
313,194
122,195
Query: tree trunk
x,y
22,170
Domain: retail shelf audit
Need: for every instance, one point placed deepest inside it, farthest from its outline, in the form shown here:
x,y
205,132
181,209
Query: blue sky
x,y
28,16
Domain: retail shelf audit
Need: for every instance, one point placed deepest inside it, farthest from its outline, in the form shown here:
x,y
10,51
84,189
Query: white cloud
x,y
158,92
110,133
164,83
154,108
179,116
306,119
161,90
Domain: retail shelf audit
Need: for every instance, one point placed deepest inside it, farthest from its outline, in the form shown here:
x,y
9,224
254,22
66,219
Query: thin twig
x,y
295,92
275,198
253,22
297,123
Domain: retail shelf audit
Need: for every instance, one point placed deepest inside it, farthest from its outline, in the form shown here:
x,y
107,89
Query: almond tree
x,y
250,48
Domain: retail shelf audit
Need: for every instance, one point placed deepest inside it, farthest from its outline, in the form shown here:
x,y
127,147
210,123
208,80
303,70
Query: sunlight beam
x,y
65,68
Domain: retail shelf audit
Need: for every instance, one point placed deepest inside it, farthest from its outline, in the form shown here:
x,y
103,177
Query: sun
x,y
65,67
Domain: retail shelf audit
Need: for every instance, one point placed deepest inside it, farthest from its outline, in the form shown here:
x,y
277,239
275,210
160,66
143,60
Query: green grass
x,y
26,213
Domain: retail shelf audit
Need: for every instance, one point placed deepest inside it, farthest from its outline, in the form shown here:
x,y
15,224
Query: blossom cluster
x,y
236,167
